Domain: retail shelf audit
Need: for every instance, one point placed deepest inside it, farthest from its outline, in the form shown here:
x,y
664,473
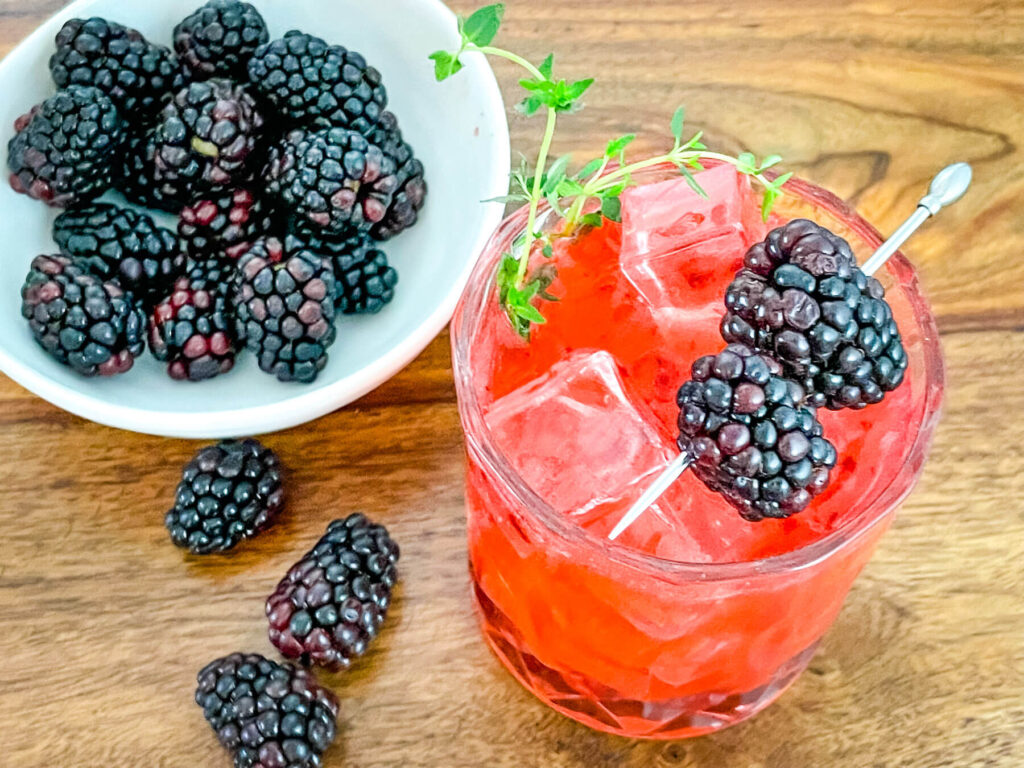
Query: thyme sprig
x,y
587,196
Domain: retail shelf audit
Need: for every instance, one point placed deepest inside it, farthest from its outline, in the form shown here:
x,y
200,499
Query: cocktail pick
x,y
947,187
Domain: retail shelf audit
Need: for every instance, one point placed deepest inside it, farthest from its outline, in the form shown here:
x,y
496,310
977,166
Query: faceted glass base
x,y
598,706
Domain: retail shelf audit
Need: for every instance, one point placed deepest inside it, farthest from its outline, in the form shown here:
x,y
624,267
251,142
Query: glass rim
x,y
481,443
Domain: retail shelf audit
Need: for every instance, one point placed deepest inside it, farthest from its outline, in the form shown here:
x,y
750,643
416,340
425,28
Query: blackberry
x,y
754,441
225,224
802,298
220,38
85,323
136,176
136,74
285,310
193,328
268,715
411,190
123,245
333,601
206,137
63,150
333,180
228,492
313,84
364,282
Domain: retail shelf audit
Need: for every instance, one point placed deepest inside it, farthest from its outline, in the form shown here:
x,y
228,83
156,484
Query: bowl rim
x,y
289,411
482,447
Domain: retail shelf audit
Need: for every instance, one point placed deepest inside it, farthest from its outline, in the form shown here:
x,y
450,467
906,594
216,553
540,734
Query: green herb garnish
x,y
567,193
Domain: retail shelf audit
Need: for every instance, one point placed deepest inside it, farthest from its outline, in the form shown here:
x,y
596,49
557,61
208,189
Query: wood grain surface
x,y
103,624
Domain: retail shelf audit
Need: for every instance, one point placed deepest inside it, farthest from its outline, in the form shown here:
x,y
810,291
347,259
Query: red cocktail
x,y
694,619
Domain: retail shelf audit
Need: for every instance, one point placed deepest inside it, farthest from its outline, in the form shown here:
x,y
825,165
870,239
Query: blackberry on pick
x,y
312,84
285,310
754,441
136,74
206,137
267,715
225,224
333,180
219,38
364,282
802,298
411,192
334,600
63,150
83,322
136,175
193,328
228,492
123,245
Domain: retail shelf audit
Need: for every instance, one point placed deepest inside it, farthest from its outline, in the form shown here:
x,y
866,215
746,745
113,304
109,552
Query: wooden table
x,y
103,624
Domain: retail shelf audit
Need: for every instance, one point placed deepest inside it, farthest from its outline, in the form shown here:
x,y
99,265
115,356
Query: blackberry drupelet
x,y
285,310
268,715
135,176
802,298
123,245
220,38
63,150
225,224
228,492
364,282
312,84
193,329
206,137
334,600
755,443
138,75
85,323
411,192
333,180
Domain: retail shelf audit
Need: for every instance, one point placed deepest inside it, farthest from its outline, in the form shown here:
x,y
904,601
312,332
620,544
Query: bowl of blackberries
x,y
236,217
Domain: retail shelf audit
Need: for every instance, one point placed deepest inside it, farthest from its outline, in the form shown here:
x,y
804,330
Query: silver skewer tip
x,y
947,187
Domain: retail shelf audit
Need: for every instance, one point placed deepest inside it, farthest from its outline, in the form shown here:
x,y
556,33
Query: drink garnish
x,y
581,198
827,256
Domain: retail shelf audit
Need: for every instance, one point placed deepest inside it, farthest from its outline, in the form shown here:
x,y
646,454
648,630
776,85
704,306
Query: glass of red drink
x,y
694,619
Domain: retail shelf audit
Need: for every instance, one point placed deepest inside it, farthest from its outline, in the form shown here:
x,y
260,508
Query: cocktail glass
x,y
672,636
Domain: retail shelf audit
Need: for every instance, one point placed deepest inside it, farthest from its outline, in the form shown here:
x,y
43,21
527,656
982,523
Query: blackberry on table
x,y
754,441
219,38
123,245
135,176
83,322
136,74
267,715
228,492
63,150
225,224
801,297
285,310
334,600
193,328
411,191
312,84
207,136
364,282
333,180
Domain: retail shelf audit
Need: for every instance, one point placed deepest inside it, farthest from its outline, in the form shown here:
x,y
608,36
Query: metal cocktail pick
x,y
947,187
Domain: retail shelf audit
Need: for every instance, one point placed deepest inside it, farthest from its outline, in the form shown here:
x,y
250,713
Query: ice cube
x,y
679,249
574,435
579,441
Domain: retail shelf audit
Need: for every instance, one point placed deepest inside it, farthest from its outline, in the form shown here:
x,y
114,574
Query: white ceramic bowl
x,y
457,128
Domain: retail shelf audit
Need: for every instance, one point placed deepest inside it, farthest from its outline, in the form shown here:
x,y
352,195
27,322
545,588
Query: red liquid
x,y
585,414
